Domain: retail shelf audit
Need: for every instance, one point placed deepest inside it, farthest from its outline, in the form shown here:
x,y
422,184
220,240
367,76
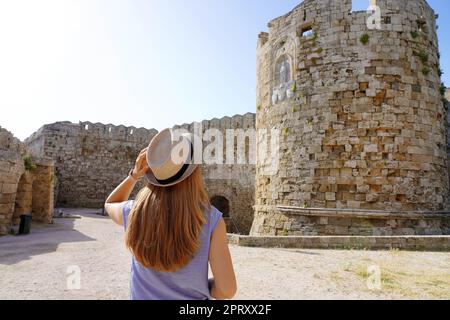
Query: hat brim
x,y
152,179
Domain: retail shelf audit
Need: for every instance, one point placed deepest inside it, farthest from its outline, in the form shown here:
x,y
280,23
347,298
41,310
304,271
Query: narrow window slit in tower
x,y
422,26
307,31
360,5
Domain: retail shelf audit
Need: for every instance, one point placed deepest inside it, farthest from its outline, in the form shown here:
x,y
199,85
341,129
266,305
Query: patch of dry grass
x,y
398,277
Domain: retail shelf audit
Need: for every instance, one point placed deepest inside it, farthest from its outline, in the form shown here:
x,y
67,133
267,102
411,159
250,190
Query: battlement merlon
x,y
310,11
134,133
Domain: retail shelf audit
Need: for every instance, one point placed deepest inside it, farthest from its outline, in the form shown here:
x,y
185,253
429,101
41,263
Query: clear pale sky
x,y
149,63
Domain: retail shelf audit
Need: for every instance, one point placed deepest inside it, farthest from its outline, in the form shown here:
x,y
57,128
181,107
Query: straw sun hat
x,y
170,160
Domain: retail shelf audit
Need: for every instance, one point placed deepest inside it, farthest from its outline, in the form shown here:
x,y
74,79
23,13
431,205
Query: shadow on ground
x,y
311,253
43,238
91,213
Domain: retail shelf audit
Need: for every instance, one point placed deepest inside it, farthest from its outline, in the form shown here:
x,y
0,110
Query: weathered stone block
x,y
371,148
9,188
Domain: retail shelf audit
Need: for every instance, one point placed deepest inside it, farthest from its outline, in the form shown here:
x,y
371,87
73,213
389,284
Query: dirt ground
x,y
44,265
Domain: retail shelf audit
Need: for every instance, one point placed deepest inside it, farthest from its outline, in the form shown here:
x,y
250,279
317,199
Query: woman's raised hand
x,y
141,166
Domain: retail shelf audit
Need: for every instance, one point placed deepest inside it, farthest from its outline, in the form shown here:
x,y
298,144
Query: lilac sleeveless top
x,y
189,283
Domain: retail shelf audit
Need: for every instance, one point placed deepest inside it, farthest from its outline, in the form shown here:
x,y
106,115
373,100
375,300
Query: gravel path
x,y
42,264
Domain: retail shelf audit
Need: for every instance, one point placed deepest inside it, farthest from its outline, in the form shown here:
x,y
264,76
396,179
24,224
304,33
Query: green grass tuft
x,y
29,164
423,56
426,71
364,39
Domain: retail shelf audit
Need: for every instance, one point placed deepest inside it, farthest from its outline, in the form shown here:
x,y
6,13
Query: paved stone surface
x,y
35,267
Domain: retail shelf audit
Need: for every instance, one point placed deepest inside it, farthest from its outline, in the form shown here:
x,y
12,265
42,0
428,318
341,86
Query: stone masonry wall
x,y
236,181
23,191
91,159
43,188
447,96
11,168
35,193
359,110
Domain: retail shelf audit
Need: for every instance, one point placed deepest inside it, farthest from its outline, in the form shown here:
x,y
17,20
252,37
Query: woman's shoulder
x,y
127,206
126,210
214,217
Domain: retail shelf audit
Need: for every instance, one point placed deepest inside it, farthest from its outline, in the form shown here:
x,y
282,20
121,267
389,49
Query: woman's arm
x,y
223,286
114,203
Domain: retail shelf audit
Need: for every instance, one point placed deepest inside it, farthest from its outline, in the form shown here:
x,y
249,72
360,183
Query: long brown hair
x,y
164,225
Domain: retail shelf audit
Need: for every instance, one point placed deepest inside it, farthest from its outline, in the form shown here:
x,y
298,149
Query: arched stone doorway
x,y
43,196
34,194
222,204
24,197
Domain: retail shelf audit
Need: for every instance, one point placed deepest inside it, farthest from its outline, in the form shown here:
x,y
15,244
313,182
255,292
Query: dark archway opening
x,y
222,204
23,200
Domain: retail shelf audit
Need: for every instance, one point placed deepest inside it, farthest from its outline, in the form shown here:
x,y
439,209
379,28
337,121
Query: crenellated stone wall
x,y
23,190
235,182
360,114
91,159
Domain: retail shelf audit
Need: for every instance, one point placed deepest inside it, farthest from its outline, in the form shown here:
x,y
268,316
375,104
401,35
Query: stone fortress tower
x,y
362,122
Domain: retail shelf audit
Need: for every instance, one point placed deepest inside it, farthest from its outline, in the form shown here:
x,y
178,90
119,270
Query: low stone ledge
x,y
42,161
414,243
364,214
297,221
